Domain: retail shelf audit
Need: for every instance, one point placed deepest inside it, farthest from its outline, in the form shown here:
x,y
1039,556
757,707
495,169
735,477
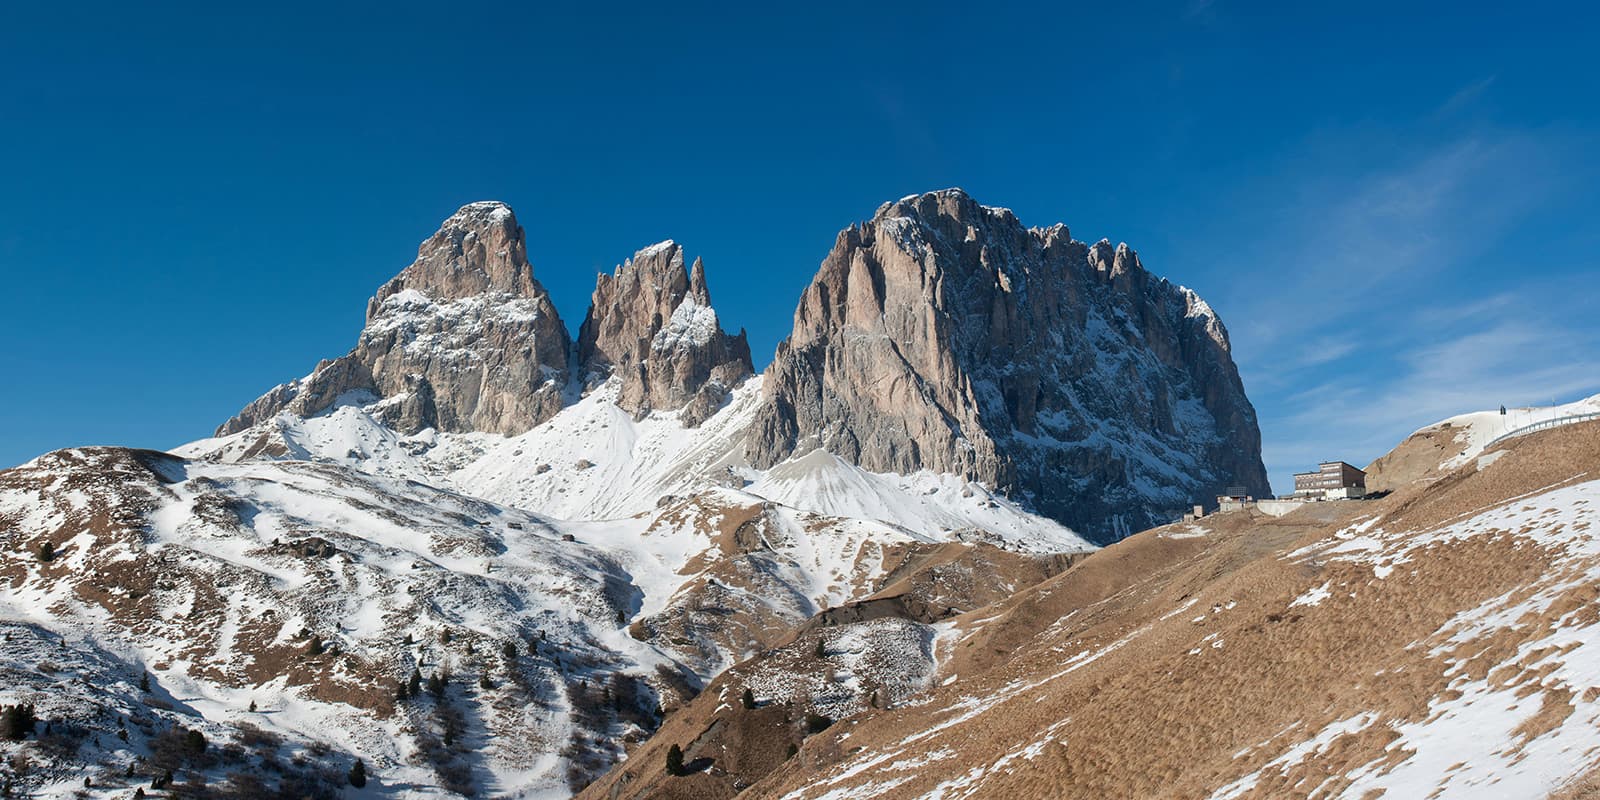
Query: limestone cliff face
x,y
943,335
940,335
651,325
463,339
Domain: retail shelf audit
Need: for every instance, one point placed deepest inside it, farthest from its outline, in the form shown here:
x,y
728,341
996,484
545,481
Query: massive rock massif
x,y
943,335
651,325
568,538
464,339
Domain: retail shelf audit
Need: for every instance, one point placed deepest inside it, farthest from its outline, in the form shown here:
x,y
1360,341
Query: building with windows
x,y
1333,480
1234,498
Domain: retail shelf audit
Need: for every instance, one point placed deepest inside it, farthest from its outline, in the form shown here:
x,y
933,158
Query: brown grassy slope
x,y
731,747
1416,459
1170,668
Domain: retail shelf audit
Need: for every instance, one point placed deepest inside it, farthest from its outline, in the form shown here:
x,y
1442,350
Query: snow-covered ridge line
x,y
1477,429
592,461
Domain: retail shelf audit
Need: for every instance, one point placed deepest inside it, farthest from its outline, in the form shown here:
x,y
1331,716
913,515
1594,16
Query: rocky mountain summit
x,y
651,324
464,339
587,548
942,335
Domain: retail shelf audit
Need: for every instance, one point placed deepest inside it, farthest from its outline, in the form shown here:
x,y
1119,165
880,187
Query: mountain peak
x,y
952,202
651,325
698,291
943,335
478,250
491,211
463,339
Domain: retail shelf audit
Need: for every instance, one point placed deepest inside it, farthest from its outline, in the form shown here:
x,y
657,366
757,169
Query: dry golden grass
x,y
1585,787
737,747
1166,714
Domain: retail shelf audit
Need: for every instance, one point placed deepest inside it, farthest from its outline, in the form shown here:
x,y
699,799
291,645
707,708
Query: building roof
x,y
1323,464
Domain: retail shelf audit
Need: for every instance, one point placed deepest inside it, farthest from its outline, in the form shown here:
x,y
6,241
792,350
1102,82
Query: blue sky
x,y
1393,209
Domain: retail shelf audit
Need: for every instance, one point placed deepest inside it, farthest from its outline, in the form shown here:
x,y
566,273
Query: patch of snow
x,y
1474,431
1312,597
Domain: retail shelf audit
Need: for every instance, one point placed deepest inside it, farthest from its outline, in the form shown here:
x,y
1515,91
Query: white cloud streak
x,y
1360,321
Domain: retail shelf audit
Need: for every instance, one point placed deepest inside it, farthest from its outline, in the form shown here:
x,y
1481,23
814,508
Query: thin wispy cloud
x,y
1466,96
1360,318
1510,349
1357,244
1325,350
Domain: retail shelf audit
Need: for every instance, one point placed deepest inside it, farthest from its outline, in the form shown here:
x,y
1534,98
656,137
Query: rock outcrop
x,y
943,335
940,335
651,325
464,339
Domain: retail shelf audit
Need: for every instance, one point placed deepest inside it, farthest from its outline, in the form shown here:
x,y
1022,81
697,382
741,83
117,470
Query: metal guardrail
x,y
1542,426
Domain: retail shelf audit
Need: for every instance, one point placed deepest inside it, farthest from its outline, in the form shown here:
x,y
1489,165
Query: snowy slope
x,y
591,461
594,461
928,504
218,579
313,590
1474,431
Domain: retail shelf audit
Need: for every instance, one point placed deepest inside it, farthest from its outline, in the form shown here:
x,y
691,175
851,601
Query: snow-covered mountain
x,y
939,338
485,557
943,335
313,591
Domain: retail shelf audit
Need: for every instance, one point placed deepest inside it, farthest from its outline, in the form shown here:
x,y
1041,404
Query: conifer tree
x,y
17,721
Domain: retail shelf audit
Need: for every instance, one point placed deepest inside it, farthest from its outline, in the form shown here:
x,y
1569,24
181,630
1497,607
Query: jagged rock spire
x,y
697,284
463,339
651,325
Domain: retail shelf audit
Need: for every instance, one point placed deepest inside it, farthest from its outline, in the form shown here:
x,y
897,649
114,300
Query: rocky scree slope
x,y
943,335
876,653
